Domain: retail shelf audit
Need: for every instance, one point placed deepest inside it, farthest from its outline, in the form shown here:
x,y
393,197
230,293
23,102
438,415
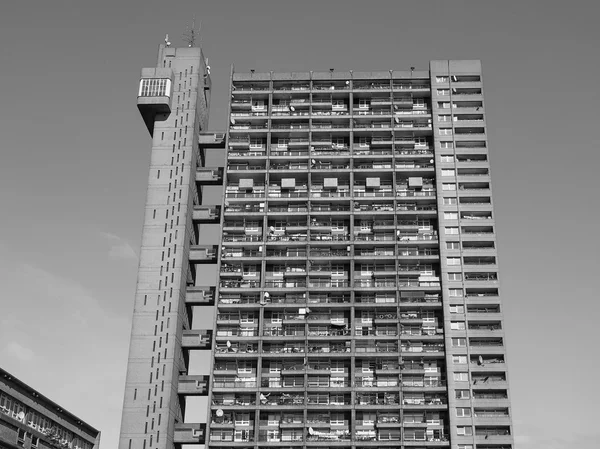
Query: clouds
x,y
20,352
120,249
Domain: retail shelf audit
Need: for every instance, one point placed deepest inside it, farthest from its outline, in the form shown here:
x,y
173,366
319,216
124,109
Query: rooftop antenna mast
x,y
192,34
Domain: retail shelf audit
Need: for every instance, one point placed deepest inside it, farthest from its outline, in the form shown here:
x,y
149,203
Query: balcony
x,y
206,214
203,254
187,433
193,385
196,339
200,296
209,176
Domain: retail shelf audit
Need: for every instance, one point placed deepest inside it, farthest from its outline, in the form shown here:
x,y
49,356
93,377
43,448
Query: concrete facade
x,y
153,412
32,421
357,301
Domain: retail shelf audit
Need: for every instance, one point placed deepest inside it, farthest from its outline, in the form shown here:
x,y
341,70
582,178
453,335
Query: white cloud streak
x,y
119,248
20,352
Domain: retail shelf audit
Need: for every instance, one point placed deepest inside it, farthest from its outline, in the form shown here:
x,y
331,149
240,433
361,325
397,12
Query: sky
x,y
75,156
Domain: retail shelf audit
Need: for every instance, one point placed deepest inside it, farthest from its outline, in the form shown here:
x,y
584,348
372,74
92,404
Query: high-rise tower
x,y
357,300
173,99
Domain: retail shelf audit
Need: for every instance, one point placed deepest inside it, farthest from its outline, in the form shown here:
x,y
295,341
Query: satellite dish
x,y
395,106
311,431
272,228
347,83
232,121
313,161
396,119
226,203
228,344
292,108
431,161
220,413
21,416
267,294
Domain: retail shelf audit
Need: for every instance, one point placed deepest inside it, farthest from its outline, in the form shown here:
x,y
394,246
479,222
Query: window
x,y
445,144
35,442
463,412
453,260
421,142
462,394
443,92
460,377
448,186
455,292
456,308
242,419
452,245
420,103
459,359
465,446
448,172
158,87
441,79
457,325
454,276
256,143
444,118
363,142
449,201
445,131
21,437
451,230
450,215
447,158
464,430
459,342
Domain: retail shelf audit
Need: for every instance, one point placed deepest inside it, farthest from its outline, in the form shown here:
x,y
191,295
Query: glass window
x,y
464,430
462,394
446,144
444,118
451,230
455,292
453,260
459,342
454,276
459,359
463,412
445,131
448,186
447,158
460,377
452,245
451,215
456,308
441,79
448,172
449,201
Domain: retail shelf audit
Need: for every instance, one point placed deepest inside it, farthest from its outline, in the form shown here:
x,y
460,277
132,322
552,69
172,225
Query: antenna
x,y
192,34
167,42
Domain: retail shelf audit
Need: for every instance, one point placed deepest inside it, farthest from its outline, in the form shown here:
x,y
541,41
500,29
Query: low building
x,y
32,421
